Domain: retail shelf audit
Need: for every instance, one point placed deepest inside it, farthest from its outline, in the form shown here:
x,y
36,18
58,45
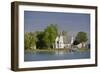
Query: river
x,y
55,55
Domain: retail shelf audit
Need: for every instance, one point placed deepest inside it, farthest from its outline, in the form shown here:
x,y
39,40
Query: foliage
x,y
50,34
26,41
75,42
40,43
41,39
81,37
29,41
32,40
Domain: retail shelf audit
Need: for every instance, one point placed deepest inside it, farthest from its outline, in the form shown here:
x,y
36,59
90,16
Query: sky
x,y
69,22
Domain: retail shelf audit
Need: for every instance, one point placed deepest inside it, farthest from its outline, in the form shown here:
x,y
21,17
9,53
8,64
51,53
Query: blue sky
x,y
70,22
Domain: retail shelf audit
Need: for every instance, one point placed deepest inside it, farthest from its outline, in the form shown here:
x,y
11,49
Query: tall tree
x,y
46,39
26,41
50,35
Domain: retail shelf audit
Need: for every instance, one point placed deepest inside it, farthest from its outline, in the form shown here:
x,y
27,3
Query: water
x,y
55,55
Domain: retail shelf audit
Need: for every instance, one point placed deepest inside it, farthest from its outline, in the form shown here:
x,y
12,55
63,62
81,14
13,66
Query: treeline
x,y
41,39
46,39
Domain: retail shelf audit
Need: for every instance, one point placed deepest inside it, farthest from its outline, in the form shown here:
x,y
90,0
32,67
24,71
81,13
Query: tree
x,y
50,34
26,41
81,37
46,39
30,40
40,42
41,39
75,42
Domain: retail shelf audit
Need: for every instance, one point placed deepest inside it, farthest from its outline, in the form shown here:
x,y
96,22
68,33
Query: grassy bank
x,y
52,50
82,49
65,49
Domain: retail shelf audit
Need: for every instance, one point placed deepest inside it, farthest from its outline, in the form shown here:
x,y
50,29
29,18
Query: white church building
x,y
60,42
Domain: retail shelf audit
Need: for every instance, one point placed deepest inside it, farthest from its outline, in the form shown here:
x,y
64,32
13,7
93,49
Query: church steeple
x,y
72,40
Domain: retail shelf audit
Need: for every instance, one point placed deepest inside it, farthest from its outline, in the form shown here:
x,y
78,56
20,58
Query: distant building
x,y
61,41
81,45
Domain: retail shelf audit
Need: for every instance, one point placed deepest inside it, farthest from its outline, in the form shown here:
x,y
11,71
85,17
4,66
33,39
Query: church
x,y
61,42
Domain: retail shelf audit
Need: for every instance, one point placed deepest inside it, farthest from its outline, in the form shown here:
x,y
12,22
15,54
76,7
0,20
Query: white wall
x,y
5,40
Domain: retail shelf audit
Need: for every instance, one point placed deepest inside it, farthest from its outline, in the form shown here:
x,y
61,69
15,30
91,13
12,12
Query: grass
x,y
52,50
48,50
82,49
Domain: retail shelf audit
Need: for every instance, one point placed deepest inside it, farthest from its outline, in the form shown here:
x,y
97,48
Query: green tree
x,y
26,41
75,42
81,37
50,34
40,42
46,40
30,40
41,39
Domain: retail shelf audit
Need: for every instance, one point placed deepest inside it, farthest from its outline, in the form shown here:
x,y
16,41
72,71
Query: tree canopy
x,y
41,39
50,34
30,40
81,37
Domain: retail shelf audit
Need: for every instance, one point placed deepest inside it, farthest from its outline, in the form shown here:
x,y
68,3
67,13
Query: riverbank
x,y
51,50
47,50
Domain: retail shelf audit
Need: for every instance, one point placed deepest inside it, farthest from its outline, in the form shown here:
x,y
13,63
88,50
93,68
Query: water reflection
x,y
60,52
55,55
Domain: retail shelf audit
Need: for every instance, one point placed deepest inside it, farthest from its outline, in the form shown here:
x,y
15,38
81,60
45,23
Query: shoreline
x,y
46,50
52,50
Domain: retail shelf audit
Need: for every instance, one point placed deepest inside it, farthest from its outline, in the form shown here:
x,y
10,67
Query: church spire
x,y
72,40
